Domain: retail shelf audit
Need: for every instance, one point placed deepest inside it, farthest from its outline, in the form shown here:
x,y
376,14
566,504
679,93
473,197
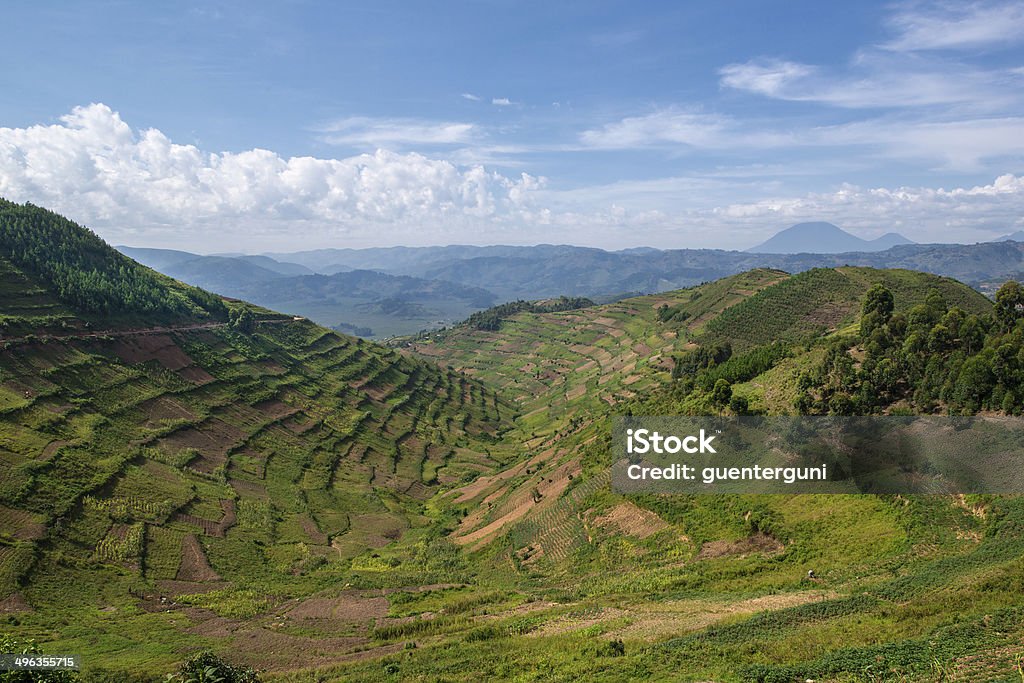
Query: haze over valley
x,y
383,292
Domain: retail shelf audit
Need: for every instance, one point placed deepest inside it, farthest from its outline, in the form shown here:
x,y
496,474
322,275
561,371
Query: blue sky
x,y
614,124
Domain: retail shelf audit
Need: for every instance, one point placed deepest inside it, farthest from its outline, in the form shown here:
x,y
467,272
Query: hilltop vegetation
x,y
821,300
492,318
934,356
87,274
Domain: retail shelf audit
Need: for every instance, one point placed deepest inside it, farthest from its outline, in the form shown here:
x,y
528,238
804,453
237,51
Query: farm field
x,y
321,508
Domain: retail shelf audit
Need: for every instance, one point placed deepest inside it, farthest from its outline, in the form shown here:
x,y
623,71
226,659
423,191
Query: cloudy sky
x,y
245,126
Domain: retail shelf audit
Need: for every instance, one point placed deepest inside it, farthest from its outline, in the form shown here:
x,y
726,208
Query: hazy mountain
x,y
1012,237
363,301
416,260
157,259
282,267
823,238
221,274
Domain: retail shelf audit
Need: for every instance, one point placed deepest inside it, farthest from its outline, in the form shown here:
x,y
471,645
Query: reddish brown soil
x,y
213,439
758,543
194,565
629,519
349,606
210,527
276,409
51,449
164,408
158,347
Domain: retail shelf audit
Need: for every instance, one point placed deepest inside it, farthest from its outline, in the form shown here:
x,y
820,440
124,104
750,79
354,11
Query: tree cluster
x,y
933,358
492,318
86,273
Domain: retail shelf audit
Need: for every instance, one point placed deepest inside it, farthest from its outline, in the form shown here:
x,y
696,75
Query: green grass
x,y
345,461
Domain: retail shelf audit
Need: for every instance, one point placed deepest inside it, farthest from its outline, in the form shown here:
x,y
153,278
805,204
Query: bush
x,y
206,667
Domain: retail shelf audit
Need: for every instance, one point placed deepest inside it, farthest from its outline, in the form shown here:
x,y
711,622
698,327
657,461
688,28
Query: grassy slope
x,y
530,588
260,467
703,588
822,300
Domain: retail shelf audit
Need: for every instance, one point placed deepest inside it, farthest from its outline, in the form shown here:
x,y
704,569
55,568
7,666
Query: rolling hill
x,y
207,474
715,587
545,271
167,454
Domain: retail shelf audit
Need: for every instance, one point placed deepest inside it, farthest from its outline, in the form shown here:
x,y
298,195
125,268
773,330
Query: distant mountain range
x,y
399,290
824,238
370,303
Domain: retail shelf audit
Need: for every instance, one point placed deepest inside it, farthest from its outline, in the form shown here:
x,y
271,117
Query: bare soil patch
x,y
163,408
313,531
758,543
349,606
194,565
631,520
15,602
212,439
51,449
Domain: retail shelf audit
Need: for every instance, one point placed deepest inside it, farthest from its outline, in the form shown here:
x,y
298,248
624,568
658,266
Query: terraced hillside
x,y
576,583
329,510
170,485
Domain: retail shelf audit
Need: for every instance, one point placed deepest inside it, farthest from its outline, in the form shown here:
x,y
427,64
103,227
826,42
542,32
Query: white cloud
x,y
874,79
957,26
772,77
501,101
140,187
671,125
361,131
963,145
675,126
907,71
471,97
93,167
923,214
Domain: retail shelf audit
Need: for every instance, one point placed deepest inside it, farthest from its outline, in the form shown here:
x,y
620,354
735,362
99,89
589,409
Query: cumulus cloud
x,y
139,187
95,167
501,101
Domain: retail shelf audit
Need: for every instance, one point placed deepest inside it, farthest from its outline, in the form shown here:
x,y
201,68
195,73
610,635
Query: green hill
x,y
76,267
712,587
332,510
823,300
174,458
